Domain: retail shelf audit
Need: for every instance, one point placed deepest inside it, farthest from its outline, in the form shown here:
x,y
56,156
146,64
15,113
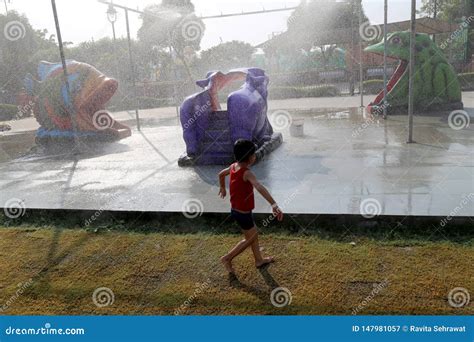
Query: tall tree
x,y
225,56
448,10
453,11
316,25
21,48
172,23
318,20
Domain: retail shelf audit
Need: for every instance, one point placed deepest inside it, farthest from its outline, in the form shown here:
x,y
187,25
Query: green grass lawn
x,y
59,269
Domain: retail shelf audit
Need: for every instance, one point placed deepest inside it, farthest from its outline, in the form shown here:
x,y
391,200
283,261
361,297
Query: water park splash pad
x,y
436,85
210,133
80,113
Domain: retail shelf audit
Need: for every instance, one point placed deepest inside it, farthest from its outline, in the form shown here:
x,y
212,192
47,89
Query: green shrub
x,y
129,103
467,81
283,93
8,112
151,102
373,86
320,91
298,92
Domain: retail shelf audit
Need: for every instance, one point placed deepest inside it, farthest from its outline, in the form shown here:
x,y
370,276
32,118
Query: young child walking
x,y
242,183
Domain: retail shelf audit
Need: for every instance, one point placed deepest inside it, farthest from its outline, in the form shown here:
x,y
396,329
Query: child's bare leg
x,y
259,259
238,249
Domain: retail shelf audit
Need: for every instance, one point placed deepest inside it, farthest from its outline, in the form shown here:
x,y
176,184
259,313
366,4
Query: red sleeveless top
x,y
241,192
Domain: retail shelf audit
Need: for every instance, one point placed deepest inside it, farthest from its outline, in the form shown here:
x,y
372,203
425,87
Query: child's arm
x,y
250,177
224,173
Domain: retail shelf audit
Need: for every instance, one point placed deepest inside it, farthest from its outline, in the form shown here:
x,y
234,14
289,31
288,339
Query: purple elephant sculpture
x,y
210,133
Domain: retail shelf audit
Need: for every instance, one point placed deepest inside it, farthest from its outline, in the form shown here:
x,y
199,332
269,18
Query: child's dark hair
x,y
243,150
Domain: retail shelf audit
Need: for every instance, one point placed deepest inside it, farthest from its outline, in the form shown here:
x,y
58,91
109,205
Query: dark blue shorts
x,y
245,221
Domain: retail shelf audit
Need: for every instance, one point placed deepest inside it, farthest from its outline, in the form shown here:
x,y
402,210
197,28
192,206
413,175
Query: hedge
x,y
298,92
129,103
8,112
467,81
151,102
373,86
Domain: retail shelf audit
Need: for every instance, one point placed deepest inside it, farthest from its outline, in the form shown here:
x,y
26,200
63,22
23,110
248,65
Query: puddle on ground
x,y
353,113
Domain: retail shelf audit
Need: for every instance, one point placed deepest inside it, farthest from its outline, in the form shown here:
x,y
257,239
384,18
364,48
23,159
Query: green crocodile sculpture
x,y
436,86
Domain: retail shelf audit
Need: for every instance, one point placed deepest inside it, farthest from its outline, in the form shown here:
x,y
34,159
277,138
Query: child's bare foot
x,y
228,265
264,262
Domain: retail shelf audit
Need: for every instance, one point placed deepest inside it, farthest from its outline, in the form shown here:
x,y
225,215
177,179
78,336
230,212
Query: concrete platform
x,y
344,161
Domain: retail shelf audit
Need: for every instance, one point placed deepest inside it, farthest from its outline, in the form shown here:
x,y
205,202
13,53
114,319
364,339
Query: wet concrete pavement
x,y
157,115
345,161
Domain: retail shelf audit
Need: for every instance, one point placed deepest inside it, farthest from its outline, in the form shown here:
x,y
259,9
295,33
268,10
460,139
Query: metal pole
x,y
385,13
132,69
352,71
219,16
435,15
65,73
173,69
412,71
113,31
361,67
114,51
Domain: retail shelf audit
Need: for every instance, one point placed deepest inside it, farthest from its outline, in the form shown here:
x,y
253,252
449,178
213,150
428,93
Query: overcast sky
x,y
83,20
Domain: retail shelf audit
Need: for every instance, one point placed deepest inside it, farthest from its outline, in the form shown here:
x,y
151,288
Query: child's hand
x,y
222,192
277,213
